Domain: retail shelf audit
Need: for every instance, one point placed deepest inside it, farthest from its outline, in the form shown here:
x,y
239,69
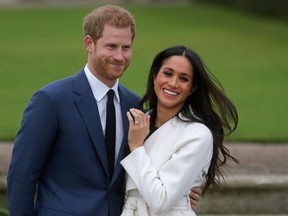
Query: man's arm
x,y
31,148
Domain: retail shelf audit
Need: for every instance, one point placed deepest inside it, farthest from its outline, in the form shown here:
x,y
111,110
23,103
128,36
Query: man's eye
x,y
111,46
126,48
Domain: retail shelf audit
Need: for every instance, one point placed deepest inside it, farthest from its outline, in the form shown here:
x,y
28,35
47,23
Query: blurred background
x,y
244,43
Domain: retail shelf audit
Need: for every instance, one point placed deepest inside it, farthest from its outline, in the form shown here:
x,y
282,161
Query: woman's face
x,y
174,83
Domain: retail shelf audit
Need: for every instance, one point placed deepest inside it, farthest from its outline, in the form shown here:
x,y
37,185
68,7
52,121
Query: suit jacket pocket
x,y
51,212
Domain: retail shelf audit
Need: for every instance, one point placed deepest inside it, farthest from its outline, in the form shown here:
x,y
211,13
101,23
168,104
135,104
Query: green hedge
x,y
3,212
273,8
248,54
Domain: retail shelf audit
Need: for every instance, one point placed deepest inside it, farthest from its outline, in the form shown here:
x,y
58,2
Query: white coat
x,y
160,174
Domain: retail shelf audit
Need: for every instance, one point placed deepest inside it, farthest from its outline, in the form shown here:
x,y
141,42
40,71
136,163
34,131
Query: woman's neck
x,y
163,115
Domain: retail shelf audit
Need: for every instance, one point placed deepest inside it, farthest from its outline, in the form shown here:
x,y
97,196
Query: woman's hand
x,y
138,128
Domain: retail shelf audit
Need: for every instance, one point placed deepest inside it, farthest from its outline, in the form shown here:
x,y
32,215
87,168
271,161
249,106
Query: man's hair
x,y
115,16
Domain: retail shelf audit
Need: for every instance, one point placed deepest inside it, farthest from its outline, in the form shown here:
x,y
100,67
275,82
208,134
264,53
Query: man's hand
x,y
194,197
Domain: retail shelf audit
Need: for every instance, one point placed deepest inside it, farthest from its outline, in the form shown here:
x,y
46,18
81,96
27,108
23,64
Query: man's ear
x,y
89,43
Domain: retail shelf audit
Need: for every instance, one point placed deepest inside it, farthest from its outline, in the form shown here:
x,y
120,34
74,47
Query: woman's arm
x,y
162,189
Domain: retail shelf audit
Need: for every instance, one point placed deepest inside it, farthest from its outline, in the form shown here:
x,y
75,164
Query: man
x,y
59,156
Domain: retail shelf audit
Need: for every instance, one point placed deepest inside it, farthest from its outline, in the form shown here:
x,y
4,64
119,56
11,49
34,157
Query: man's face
x,y
111,55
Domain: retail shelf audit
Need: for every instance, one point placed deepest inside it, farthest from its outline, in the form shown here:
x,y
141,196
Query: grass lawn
x,y
248,55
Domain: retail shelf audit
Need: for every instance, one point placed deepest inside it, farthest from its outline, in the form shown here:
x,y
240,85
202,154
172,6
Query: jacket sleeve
x,y
31,149
162,188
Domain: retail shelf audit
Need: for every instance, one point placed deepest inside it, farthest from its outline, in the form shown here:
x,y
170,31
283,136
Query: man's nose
x,y
119,55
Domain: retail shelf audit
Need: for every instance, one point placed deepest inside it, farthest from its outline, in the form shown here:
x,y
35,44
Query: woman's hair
x,y
209,104
115,16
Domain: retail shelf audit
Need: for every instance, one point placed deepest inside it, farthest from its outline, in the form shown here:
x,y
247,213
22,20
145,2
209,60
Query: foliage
x,y
271,8
247,54
3,212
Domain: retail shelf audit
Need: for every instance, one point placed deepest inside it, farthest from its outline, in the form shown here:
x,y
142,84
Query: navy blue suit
x,y
59,153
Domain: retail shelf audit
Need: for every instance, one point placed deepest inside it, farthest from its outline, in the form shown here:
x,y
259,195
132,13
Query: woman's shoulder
x,y
197,127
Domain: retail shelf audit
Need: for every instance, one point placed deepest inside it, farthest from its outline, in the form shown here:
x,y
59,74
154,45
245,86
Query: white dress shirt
x,y
100,90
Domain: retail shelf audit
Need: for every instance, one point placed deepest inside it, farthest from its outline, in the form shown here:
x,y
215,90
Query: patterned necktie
x,y
110,131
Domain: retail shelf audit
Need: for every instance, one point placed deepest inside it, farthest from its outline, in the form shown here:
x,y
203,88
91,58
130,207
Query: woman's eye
x,y
184,79
168,73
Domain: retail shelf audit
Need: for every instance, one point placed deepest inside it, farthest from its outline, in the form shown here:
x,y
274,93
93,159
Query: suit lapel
x,y
165,137
88,110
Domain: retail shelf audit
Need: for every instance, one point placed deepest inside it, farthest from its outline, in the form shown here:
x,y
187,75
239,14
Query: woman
x,y
179,145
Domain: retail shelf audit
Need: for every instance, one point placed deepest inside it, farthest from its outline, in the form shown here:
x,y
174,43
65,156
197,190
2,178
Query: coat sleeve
x,y
31,149
162,188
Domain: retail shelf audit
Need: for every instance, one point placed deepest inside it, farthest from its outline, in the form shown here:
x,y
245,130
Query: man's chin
x,y
118,70
117,73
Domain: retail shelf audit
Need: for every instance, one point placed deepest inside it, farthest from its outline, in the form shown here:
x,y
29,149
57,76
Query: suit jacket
x,y
59,153
175,158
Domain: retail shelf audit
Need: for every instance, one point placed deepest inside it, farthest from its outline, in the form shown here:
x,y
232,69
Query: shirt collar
x,y
99,89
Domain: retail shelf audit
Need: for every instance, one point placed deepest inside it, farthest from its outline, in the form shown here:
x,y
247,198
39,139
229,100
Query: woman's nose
x,y
173,82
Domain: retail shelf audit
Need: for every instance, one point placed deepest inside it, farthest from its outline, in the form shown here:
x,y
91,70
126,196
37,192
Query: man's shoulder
x,y
60,84
129,97
128,93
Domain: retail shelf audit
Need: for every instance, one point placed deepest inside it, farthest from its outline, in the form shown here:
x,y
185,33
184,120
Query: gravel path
x,y
254,158
260,159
